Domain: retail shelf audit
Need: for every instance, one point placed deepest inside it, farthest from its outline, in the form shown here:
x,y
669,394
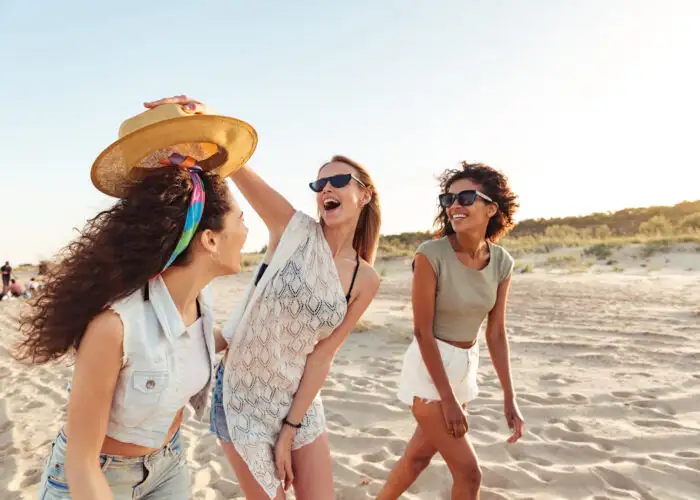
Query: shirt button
x,y
150,384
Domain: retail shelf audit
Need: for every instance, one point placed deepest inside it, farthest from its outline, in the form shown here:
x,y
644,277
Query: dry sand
x,y
606,364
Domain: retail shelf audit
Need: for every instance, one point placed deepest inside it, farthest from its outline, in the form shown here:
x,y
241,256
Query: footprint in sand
x,y
622,394
397,447
556,378
615,479
634,460
668,424
482,423
33,405
228,488
520,454
654,405
377,456
573,426
381,432
557,433
372,470
31,477
338,419
386,372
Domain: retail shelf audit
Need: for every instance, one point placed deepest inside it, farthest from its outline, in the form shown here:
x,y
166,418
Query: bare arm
x,y
220,342
97,367
320,361
423,298
497,340
271,206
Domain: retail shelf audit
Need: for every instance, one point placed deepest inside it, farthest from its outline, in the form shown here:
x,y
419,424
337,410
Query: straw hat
x,y
157,133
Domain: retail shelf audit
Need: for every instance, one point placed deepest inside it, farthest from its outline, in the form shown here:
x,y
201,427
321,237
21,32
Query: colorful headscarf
x,y
196,207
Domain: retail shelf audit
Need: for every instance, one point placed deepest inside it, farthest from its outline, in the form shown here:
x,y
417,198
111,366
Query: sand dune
x,y
607,367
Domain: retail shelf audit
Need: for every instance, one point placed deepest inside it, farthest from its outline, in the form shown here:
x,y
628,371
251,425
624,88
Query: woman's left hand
x,y
283,456
515,419
189,105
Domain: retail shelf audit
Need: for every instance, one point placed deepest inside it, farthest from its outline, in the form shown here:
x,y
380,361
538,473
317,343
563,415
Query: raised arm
x,y
423,298
97,367
271,206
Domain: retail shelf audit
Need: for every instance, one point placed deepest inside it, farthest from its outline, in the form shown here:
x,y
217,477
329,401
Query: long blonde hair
x,y
366,238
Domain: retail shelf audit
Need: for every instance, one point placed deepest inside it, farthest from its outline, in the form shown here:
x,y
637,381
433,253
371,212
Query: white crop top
x,y
166,365
191,352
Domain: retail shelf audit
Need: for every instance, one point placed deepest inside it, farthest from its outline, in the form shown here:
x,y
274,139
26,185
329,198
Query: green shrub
x,y
601,251
691,221
563,260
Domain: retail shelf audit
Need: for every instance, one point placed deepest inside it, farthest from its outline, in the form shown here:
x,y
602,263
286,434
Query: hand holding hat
x,y
173,125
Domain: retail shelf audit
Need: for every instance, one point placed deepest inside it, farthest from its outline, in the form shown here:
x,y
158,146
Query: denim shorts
x,y
160,475
217,417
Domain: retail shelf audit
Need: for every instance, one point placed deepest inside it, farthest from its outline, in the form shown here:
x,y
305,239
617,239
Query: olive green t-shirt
x,y
464,296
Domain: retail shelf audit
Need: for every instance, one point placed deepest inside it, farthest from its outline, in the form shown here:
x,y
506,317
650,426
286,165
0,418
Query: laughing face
x,y
342,198
469,218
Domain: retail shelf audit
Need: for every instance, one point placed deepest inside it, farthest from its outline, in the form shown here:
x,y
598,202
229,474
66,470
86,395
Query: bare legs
x,y
431,436
313,472
250,486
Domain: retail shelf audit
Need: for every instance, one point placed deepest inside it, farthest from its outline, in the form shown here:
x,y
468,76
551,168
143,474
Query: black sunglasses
x,y
337,181
464,198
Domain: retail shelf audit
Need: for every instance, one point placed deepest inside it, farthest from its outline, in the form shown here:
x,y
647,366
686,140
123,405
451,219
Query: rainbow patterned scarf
x,y
196,206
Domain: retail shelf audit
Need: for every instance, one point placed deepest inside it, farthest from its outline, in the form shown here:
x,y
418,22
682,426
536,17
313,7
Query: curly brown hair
x,y
494,184
116,253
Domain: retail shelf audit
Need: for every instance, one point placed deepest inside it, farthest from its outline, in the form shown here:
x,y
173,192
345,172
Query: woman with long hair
x,y
460,279
128,300
313,286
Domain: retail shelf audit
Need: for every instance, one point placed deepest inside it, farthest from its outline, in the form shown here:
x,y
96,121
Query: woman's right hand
x,y
455,417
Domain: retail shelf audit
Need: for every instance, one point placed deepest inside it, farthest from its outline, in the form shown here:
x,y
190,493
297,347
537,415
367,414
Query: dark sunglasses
x,y
464,198
337,181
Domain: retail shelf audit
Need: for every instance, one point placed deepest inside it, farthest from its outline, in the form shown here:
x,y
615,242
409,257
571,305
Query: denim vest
x,y
145,401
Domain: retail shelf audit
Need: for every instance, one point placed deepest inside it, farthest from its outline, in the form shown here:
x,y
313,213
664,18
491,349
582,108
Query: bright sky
x,y
586,105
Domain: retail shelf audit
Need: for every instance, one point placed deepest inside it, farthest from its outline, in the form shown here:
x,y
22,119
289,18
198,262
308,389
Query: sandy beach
x,y
606,364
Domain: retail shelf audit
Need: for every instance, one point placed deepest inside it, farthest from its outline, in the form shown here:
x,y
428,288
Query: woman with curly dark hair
x,y
459,279
128,300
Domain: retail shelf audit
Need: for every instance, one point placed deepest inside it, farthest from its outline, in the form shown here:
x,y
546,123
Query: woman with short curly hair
x,y
460,278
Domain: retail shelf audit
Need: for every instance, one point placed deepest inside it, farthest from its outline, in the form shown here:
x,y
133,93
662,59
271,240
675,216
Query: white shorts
x,y
460,364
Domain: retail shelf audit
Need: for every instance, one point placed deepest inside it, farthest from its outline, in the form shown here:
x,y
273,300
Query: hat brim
x,y
111,171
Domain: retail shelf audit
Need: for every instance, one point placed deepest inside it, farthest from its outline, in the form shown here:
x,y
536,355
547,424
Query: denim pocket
x,y
56,484
145,389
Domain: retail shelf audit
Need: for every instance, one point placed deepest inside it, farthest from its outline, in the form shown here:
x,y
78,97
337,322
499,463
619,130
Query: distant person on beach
x,y
32,286
6,275
313,286
459,280
15,289
130,300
